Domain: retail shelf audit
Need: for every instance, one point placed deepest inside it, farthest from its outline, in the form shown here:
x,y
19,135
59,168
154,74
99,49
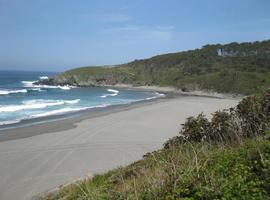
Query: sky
x,y
56,35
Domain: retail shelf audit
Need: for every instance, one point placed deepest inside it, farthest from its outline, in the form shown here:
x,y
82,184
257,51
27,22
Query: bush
x,y
251,117
240,173
195,128
249,110
224,127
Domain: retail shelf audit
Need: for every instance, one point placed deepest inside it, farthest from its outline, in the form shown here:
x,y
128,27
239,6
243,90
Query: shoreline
x,y
67,120
9,131
175,91
45,156
51,118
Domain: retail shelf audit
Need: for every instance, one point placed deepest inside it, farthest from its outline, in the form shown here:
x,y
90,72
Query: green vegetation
x,y
197,171
233,68
227,157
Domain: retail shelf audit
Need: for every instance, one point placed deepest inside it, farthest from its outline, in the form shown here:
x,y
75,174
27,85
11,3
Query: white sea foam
x,y
5,92
43,77
65,87
158,95
31,84
66,110
36,89
28,83
113,93
9,122
36,104
149,98
111,90
50,102
57,112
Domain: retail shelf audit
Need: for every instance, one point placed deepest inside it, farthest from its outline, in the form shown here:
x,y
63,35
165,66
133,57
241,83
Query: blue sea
x,y
21,100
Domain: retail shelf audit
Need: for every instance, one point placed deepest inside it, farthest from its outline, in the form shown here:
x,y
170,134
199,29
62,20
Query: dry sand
x,y
74,149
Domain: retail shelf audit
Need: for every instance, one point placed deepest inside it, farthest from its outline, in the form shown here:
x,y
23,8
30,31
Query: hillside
x,y
232,68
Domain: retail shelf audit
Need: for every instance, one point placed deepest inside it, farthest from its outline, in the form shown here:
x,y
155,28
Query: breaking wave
x,y
31,84
66,110
157,95
43,77
113,93
9,122
36,104
5,92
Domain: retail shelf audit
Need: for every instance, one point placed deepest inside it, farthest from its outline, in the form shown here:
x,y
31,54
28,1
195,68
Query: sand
x,y
65,150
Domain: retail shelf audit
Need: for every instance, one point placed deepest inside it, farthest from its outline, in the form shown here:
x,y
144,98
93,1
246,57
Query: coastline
x,y
50,124
81,113
173,91
68,120
44,156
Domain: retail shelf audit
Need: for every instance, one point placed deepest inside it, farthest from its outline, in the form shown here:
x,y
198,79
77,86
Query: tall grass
x,y
189,171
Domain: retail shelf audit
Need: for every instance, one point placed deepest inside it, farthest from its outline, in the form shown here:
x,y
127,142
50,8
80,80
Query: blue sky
x,y
55,35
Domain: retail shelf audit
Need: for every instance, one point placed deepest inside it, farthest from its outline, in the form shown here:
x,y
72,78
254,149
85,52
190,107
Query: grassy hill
x,y
227,157
232,68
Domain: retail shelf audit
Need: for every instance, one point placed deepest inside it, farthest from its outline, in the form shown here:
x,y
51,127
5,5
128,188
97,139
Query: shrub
x,y
195,128
249,110
224,127
249,118
239,173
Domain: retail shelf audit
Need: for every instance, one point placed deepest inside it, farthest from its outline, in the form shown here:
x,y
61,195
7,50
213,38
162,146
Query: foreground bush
x,y
249,118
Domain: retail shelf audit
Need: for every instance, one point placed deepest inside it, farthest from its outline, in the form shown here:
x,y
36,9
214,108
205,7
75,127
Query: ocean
x,y
21,100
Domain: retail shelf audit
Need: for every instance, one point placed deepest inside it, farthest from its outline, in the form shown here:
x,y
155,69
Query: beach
x,y
41,157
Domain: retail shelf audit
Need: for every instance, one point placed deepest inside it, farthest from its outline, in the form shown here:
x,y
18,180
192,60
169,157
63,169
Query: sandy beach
x,y
37,158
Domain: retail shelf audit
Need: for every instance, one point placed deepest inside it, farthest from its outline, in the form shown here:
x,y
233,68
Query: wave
x,y
50,102
114,93
28,83
31,84
159,94
36,104
5,92
111,90
36,89
43,77
66,110
9,122
57,112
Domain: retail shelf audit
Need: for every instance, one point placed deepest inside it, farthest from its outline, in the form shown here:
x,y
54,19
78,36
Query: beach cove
x,y
42,157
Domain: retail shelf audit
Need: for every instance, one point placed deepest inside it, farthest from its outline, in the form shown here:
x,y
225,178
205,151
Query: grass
x,y
189,171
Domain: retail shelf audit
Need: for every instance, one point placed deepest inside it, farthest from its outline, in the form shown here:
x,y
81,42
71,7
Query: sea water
x,y
20,99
